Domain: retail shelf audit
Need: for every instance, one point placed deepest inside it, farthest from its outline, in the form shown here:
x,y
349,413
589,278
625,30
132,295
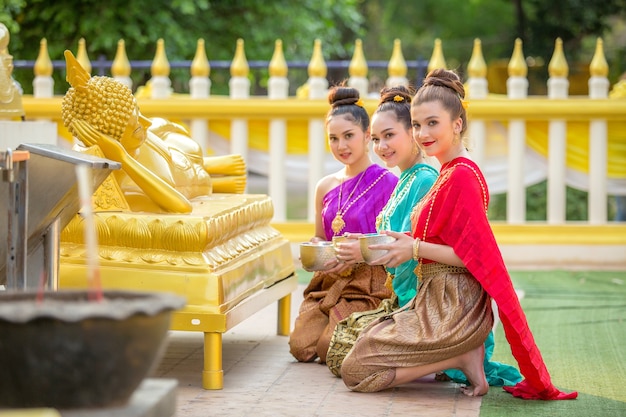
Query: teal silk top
x,y
413,184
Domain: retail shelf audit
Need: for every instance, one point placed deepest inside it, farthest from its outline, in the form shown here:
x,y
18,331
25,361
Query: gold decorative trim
x,y
221,228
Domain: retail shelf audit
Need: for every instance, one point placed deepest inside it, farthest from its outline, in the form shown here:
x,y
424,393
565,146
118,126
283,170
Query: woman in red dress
x,y
449,319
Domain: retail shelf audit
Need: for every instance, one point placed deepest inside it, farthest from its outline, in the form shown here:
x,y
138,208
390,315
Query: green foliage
x,y
571,20
576,204
180,24
496,23
456,23
537,201
338,23
8,9
497,207
578,23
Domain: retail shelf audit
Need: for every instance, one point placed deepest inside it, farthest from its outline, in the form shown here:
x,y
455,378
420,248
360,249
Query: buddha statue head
x,y
103,102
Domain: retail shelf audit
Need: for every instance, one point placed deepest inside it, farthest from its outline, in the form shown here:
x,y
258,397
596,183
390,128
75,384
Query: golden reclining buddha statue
x,y
172,219
162,166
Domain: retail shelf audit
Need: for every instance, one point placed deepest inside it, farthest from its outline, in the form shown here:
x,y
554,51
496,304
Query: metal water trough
x,y
41,194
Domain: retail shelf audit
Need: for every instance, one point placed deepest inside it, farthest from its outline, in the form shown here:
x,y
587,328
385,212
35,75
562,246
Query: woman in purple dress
x,y
346,201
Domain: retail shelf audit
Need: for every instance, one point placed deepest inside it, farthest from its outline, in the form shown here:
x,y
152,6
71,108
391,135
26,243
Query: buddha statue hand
x,y
89,136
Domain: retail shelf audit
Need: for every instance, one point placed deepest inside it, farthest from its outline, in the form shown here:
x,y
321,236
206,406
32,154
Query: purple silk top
x,y
360,216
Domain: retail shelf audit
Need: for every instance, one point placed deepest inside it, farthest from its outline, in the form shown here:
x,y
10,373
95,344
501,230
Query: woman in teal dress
x,y
393,142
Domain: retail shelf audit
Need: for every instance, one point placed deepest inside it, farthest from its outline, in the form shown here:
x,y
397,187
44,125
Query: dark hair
x,y
446,87
397,100
343,101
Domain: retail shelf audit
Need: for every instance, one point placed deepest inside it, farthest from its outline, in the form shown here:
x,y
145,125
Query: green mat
x,y
579,323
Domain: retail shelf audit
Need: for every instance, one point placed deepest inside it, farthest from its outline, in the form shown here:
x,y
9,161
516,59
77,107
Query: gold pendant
x,y
338,224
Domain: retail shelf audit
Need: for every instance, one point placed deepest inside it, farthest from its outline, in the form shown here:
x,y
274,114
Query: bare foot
x,y
472,367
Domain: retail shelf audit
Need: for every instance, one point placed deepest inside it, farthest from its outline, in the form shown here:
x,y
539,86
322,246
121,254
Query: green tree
x,y
497,23
539,23
8,9
180,23
456,23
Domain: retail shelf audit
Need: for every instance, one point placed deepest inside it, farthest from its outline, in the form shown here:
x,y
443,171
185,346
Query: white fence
x,y
518,140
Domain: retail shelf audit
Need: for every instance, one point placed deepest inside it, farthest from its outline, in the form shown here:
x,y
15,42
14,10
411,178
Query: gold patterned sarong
x,y
348,330
450,315
328,299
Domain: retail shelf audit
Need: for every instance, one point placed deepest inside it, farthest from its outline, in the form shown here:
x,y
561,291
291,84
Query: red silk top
x,y
454,213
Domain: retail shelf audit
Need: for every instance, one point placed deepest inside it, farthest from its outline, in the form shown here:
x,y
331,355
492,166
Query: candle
x,y
85,192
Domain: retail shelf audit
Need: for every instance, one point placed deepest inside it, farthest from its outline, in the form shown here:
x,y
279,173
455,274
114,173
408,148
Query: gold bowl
x,y
314,255
370,255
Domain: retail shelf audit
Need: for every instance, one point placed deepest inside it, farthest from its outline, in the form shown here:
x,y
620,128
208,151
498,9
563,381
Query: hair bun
x,y
343,96
440,77
347,102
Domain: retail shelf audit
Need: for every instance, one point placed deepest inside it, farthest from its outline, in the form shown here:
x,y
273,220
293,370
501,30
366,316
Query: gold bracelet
x,y
416,250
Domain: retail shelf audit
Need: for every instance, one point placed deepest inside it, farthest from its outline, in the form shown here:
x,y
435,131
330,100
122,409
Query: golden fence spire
x,y
43,64
121,64
317,65
558,64
437,60
358,64
81,55
477,68
160,65
397,65
200,65
599,66
278,65
517,65
239,67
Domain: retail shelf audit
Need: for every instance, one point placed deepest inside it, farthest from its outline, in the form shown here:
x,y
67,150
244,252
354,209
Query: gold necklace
x,y
384,217
338,223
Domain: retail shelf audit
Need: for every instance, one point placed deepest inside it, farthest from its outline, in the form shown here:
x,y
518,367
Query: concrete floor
x,y
261,378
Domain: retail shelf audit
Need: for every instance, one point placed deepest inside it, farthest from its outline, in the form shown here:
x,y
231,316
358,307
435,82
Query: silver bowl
x,y
314,255
339,239
370,255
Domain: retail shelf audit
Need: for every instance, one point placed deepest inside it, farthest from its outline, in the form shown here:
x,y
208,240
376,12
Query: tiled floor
x,y
261,379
